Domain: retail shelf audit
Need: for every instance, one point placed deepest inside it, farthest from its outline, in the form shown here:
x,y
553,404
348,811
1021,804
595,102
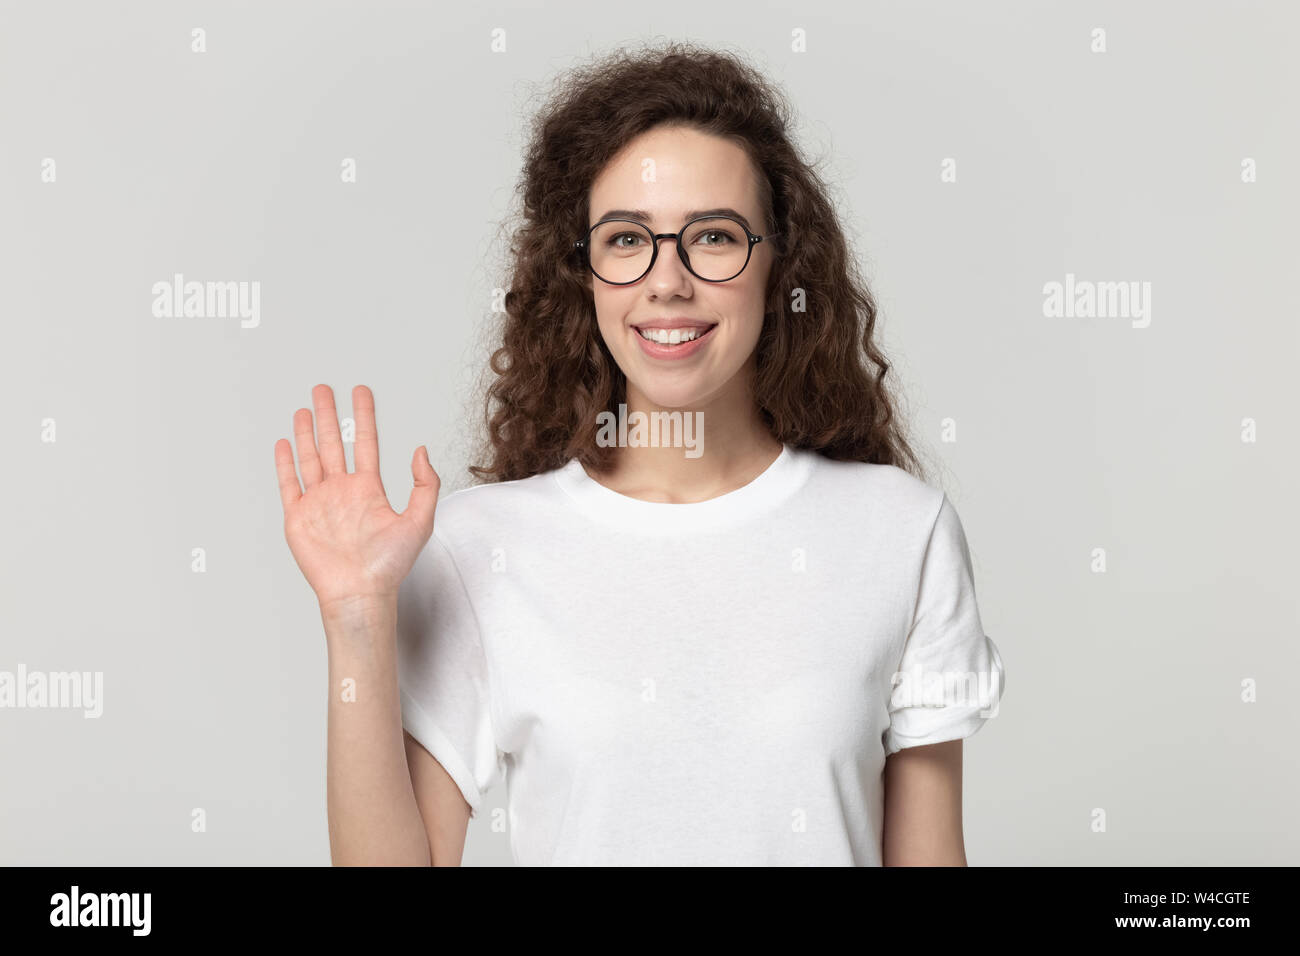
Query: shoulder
x,y
886,489
471,512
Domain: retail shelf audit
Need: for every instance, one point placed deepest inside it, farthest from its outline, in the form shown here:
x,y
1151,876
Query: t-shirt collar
x,y
774,484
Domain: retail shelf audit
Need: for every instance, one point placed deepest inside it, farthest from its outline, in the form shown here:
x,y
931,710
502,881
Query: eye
x,y
616,241
715,237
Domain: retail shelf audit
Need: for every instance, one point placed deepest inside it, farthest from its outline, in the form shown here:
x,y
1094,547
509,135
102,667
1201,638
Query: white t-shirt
x,y
708,683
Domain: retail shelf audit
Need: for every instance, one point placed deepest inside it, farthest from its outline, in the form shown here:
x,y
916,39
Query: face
x,y
670,174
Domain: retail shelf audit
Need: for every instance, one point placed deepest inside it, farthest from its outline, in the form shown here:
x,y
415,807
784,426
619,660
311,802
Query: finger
x,y
290,490
365,450
305,441
328,439
424,496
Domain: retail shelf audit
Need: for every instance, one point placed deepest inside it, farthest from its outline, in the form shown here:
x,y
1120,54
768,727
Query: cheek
x,y
610,313
747,311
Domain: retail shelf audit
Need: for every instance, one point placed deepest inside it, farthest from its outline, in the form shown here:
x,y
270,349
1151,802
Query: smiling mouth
x,y
673,336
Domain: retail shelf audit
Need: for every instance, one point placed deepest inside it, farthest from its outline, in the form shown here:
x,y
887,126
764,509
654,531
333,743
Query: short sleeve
x,y
443,676
951,676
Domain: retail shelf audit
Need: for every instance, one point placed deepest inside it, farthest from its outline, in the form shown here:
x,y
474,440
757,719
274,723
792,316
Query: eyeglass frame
x,y
754,239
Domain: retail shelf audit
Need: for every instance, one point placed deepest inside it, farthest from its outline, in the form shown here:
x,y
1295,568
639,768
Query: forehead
x,y
671,170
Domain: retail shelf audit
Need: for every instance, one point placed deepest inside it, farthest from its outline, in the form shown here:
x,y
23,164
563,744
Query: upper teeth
x,y
671,336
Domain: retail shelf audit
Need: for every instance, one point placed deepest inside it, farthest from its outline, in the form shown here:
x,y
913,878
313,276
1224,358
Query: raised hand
x,y
348,541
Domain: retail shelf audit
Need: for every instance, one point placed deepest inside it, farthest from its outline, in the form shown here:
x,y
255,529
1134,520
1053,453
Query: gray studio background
x,y
1124,688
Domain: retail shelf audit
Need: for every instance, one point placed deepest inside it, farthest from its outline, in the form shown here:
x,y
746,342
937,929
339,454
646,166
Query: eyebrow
x,y
642,216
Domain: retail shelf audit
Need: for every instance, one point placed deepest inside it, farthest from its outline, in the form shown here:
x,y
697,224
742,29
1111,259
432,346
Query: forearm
x,y
373,815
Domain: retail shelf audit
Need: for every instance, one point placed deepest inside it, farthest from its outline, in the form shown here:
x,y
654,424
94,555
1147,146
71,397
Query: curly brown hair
x,y
820,378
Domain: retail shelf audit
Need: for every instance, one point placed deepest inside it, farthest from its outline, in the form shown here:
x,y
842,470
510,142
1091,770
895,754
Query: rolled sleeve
x,y
951,677
443,678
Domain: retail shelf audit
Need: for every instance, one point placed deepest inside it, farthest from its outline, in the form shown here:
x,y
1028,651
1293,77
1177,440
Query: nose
x,y
667,280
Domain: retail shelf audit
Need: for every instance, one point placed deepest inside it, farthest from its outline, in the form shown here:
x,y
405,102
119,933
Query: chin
x,y
689,389
663,395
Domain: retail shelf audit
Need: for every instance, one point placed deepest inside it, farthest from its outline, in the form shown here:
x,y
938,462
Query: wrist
x,y
349,607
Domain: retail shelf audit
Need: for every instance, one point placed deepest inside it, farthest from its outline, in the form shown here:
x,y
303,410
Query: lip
x,y
677,322
680,351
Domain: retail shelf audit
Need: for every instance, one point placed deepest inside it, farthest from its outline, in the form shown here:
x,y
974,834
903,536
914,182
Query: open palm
x,y
346,537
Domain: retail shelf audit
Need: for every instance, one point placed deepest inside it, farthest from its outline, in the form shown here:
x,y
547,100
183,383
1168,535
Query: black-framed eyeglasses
x,y
623,251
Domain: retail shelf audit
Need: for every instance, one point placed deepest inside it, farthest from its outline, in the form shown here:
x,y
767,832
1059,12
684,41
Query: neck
x,y
736,448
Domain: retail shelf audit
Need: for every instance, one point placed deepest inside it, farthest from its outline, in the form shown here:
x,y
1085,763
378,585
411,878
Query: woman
x,y
749,639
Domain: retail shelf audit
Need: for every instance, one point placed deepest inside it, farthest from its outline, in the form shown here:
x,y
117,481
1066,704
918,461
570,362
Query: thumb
x,y
424,496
